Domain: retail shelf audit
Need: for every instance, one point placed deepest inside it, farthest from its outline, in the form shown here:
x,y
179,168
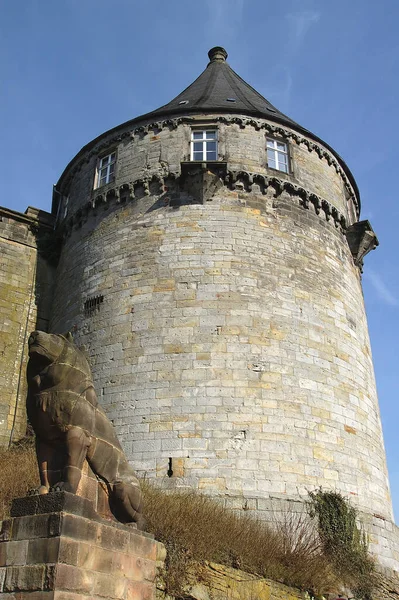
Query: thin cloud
x,y
279,86
380,288
301,23
286,91
225,15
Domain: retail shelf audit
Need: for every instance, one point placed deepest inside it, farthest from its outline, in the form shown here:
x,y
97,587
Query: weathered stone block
x,y
43,550
75,553
16,553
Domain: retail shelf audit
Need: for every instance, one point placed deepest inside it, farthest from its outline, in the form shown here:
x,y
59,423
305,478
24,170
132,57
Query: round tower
x,y
210,263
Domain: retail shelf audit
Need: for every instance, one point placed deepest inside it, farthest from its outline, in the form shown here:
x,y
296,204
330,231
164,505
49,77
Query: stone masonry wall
x,y
232,340
228,339
19,285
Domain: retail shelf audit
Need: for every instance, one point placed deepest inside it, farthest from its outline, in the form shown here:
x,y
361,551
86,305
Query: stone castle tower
x,y
210,262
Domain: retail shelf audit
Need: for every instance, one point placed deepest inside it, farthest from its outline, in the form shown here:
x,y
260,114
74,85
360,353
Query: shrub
x,y
344,542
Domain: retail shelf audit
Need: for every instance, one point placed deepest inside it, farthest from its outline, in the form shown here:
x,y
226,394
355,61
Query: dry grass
x,y
196,529
18,473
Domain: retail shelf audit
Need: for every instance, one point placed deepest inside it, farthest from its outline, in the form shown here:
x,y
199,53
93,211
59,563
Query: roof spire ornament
x,y
217,54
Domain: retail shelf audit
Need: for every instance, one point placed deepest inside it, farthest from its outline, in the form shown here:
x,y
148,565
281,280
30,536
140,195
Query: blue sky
x,y
72,69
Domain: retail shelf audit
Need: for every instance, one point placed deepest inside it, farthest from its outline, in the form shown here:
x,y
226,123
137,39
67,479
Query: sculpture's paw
x,y
127,501
39,491
61,486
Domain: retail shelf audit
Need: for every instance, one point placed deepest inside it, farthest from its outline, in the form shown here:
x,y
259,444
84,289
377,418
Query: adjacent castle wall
x,y
24,277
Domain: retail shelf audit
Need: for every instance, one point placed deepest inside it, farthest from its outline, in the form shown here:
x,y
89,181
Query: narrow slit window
x,y
204,144
277,155
92,305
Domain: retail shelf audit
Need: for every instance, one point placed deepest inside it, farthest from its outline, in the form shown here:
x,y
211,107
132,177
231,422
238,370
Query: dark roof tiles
x,y
220,89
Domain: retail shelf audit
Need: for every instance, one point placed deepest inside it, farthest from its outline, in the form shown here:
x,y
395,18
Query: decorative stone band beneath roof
x,y
243,122
299,139
235,180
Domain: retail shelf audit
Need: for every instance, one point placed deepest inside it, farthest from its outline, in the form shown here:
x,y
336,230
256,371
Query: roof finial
x,y
217,54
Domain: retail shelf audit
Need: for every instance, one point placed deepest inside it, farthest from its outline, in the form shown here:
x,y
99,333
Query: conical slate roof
x,y
217,90
220,89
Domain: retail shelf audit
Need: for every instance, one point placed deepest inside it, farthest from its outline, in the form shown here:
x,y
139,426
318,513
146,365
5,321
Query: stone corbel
x,y
202,180
361,239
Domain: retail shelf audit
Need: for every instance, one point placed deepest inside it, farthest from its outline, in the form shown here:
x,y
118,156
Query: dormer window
x,y
204,145
277,155
106,170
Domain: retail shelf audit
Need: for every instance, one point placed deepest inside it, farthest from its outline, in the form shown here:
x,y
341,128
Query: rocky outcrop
x,y
217,582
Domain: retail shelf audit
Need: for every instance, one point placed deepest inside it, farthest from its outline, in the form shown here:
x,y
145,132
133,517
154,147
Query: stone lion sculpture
x,y
70,426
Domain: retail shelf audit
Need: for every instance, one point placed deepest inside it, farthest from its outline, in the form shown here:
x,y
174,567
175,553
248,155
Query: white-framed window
x,y
204,144
277,155
65,203
106,169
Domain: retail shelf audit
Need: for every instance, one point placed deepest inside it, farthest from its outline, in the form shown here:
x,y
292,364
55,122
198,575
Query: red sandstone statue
x,y
70,426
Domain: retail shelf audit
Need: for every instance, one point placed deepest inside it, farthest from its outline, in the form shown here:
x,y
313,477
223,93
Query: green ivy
x,y
343,541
